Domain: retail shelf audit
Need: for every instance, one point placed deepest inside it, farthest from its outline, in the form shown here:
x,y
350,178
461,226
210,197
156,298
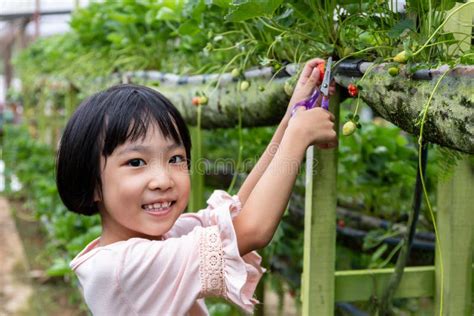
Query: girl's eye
x,y
136,162
177,159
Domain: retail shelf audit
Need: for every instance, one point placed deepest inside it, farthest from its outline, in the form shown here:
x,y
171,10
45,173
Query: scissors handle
x,y
325,103
307,103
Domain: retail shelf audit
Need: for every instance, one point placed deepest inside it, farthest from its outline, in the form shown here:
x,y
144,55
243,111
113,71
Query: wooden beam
x,y
400,100
258,108
362,285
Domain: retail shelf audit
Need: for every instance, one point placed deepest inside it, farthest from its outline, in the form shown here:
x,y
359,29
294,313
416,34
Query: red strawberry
x,y
352,89
196,100
321,68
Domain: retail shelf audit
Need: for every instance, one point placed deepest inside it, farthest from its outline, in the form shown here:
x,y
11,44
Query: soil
x,y
24,288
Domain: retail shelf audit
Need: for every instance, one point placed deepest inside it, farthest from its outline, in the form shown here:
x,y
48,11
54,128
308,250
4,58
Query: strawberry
x,y
352,89
196,100
401,57
203,100
321,68
393,71
348,128
235,73
244,85
341,223
289,87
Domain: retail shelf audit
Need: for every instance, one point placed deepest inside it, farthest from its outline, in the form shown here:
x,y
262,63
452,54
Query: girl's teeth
x,y
157,205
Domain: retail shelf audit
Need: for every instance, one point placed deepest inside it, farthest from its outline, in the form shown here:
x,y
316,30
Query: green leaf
x,y
60,267
220,3
189,28
400,27
244,10
167,14
379,252
115,38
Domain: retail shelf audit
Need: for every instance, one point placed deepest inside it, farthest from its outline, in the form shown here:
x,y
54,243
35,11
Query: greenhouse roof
x,y
55,14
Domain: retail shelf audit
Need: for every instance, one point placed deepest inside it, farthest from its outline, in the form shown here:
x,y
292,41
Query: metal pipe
x,y
357,68
37,18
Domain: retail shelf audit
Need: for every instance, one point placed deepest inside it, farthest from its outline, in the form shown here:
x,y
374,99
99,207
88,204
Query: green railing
x,y
323,286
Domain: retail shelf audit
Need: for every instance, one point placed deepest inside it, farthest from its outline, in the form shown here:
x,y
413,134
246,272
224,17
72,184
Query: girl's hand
x,y
310,79
313,127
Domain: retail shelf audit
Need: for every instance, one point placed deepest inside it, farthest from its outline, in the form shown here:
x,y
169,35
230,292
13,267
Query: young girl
x,y
125,154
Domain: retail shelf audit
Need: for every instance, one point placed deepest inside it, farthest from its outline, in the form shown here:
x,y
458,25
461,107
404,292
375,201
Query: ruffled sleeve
x,y
223,271
188,221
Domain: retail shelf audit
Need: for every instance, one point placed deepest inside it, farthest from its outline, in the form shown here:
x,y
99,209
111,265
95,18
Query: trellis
x,y
322,285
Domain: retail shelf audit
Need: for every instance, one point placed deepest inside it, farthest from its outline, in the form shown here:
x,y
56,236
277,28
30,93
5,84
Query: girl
x,y
125,154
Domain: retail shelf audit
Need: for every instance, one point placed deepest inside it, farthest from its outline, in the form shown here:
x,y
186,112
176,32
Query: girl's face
x,y
145,187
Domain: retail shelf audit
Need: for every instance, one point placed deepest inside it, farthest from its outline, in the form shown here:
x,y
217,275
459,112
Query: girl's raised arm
x,y
266,192
307,81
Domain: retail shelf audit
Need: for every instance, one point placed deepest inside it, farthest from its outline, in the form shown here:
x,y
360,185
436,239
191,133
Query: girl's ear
x,y
97,195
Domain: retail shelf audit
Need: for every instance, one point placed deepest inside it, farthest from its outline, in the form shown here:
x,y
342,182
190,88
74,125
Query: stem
x,y
222,72
394,282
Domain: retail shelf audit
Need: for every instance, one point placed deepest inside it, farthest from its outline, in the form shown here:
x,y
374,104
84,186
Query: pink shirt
x,y
198,258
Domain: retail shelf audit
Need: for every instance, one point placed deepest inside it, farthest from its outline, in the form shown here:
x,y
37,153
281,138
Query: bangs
x,y
132,115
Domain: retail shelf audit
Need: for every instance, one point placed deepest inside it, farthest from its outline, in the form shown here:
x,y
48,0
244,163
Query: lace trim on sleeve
x,y
211,268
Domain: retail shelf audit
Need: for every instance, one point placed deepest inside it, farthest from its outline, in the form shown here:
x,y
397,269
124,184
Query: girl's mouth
x,y
158,209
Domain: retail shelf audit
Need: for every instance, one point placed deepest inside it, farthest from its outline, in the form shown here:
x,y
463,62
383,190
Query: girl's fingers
x,y
297,109
332,87
309,68
327,145
313,78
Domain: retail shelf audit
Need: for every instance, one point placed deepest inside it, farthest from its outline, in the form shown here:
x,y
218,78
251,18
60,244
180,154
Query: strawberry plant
x,y
201,37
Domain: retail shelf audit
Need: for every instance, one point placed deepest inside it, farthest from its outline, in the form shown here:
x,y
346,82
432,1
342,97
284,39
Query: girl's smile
x,y
145,187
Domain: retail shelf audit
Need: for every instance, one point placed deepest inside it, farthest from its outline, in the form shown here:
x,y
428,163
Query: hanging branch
x,y
400,100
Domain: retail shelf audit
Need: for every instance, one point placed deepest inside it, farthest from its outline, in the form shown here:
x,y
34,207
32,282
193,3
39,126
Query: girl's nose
x,y
160,180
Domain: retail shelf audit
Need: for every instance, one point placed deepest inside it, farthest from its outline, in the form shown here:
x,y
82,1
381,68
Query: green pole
x,y
196,201
455,218
318,278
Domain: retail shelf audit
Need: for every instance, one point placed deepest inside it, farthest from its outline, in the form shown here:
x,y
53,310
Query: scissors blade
x,y
327,78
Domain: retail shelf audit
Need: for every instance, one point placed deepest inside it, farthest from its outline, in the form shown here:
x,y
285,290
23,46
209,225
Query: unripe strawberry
x,y
401,57
203,100
289,87
348,128
235,73
244,85
393,71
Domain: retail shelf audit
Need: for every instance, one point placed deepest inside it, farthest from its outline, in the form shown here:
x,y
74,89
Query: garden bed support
x,y
318,286
455,218
196,200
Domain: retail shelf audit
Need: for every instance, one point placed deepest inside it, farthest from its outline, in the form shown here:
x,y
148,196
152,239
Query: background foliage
x,y
377,166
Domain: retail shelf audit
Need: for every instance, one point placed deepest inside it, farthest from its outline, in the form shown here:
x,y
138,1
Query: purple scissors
x,y
311,101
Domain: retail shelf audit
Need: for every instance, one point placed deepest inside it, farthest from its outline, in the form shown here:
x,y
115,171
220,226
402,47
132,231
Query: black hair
x,y
104,121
